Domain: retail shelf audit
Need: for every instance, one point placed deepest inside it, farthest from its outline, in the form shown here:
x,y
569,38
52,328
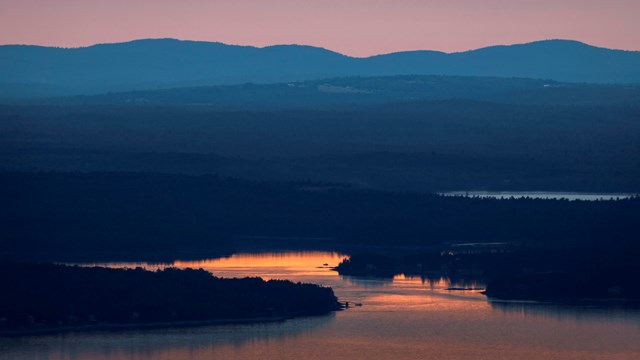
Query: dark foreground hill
x,y
47,297
96,215
33,71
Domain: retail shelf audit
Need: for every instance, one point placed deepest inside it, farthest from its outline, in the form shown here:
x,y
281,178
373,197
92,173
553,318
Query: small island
x,y
43,297
516,272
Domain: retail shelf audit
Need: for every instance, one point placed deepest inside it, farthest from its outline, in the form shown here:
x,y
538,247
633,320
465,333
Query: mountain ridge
x,y
176,40
38,71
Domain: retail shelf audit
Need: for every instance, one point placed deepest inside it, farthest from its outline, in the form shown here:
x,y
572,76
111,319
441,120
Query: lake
x,y
400,318
541,195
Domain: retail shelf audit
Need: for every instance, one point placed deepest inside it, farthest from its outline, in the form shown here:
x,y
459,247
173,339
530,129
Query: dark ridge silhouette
x,y
47,297
107,213
32,71
434,146
584,284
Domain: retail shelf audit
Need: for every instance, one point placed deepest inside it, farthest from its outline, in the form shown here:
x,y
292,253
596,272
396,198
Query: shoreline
x,y
144,326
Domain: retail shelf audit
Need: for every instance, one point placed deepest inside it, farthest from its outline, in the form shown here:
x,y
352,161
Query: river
x,y
400,318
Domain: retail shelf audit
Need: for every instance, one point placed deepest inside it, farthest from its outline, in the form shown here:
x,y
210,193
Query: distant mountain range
x,y
35,71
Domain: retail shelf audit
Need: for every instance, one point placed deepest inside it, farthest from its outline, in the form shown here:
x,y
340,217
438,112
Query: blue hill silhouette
x,y
31,71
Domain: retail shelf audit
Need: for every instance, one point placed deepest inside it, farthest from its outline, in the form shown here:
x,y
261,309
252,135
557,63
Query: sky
x,y
352,27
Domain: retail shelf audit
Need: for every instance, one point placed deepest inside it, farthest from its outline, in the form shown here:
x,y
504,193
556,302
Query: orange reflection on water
x,y
294,260
429,294
442,283
403,317
272,265
428,301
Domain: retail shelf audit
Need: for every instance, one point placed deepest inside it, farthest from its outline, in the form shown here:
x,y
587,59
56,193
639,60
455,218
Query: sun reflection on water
x,y
271,265
401,317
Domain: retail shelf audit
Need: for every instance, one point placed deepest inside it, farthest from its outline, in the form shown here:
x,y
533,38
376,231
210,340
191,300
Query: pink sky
x,y
353,27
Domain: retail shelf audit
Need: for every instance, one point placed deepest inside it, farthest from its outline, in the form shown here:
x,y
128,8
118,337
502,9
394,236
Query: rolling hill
x,y
35,71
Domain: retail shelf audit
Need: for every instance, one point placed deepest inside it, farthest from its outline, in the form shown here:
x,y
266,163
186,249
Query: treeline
x,y
450,126
136,212
514,271
576,285
409,146
39,297
495,261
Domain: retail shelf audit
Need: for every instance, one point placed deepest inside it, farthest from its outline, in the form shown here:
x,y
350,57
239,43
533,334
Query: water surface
x,y
400,318
541,195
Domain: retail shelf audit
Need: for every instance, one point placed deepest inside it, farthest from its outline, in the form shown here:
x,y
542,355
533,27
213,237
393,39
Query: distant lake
x,y
400,318
541,195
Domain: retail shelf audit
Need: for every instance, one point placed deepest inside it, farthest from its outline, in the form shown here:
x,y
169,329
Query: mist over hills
x,y
420,133
35,71
349,92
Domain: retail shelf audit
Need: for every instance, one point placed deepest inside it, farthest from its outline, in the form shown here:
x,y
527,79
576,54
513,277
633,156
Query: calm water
x,y
541,195
403,318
